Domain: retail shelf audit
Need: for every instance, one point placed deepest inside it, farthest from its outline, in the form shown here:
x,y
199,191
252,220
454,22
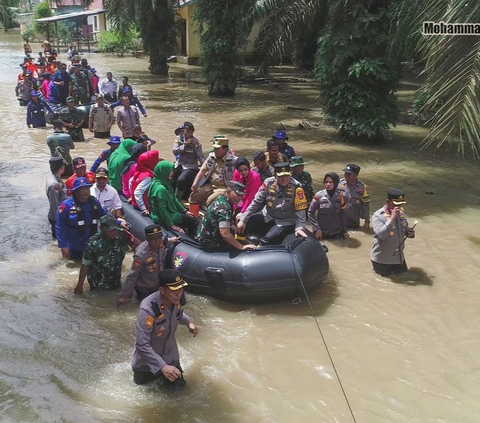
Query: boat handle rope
x,y
297,300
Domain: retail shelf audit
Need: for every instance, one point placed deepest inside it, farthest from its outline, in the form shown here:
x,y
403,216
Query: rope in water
x,y
326,347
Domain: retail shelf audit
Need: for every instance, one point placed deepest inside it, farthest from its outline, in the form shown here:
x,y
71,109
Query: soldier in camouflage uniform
x,y
79,86
300,175
357,198
214,232
103,256
73,119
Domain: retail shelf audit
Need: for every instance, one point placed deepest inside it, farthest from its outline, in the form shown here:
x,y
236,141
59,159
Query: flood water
x,y
404,350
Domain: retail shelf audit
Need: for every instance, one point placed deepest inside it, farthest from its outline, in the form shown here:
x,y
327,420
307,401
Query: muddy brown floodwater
x,y
404,350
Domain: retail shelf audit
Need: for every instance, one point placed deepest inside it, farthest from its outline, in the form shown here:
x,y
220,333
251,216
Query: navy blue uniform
x,y
104,155
76,223
36,113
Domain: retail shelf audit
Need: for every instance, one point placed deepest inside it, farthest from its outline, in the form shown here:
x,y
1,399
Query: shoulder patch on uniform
x,y
62,208
149,321
300,200
136,262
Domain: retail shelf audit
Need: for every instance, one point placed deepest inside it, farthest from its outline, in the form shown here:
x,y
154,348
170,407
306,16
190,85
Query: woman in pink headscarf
x,y
250,179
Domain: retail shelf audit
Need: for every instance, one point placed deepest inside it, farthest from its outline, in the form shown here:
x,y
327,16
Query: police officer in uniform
x,y
283,204
156,352
357,198
215,230
390,227
148,262
56,191
77,219
100,119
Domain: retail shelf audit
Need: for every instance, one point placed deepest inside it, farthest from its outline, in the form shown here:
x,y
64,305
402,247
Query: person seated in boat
x,y
116,162
283,206
300,175
36,111
284,148
148,262
188,151
80,171
141,180
250,179
261,166
103,256
326,211
130,167
214,175
113,142
106,195
273,153
215,230
166,208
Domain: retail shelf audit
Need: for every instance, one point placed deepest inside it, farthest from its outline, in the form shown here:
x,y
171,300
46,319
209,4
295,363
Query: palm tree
x,y
156,22
7,13
452,63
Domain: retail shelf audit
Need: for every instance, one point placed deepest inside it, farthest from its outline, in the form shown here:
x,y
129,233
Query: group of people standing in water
x,y
245,203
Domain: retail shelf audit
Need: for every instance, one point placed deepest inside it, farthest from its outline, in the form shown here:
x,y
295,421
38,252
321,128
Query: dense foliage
x,y
357,78
223,29
155,20
42,11
113,41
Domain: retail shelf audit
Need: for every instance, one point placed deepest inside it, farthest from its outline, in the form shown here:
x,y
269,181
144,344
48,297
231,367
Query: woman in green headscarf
x,y
116,163
166,208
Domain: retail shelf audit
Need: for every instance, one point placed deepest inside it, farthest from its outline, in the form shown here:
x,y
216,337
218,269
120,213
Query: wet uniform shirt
x,y
155,343
105,259
325,213
287,206
388,235
76,117
56,193
102,117
218,215
357,200
147,264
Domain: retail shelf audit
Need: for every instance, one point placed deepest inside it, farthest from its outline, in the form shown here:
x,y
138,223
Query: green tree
x,y
7,12
42,11
156,22
357,78
223,32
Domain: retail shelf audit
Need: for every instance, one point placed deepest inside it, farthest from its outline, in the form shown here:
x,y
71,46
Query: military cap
x,y
171,279
282,135
115,139
79,162
108,222
189,126
153,231
69,99
352,168
397,196
178,130
237,187
76,65
81,182
219,141
282,169
297,161
101,172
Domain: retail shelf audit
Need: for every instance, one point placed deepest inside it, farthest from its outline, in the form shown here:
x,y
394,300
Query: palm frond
x,y
453,79
280,21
